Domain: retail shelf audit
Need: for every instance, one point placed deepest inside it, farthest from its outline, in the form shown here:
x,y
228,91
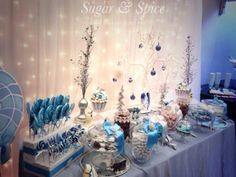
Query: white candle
x,y
212,80
227,80
217,81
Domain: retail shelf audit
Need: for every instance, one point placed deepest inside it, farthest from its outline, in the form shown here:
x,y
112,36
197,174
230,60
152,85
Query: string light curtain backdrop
x,y
138,43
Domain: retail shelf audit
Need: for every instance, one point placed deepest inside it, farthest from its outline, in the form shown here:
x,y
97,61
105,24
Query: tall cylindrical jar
x,y
140,151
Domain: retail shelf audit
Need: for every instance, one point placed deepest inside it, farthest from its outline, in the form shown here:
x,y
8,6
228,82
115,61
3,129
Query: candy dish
x,y
144,138
122,118
184,126
103,166
108,138
219,107
184,96
201,113
172,115
217,124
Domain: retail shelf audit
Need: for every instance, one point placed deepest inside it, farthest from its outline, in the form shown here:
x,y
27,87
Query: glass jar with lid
x,y
144,139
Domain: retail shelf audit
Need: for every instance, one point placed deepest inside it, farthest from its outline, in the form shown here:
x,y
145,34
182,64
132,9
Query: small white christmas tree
x,y
189,61
120,100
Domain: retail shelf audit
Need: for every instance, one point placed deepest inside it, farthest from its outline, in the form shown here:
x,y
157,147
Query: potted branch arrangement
x,y
82,78
183,90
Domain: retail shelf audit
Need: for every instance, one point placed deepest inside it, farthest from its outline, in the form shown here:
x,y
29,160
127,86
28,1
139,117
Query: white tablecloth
x,y
211,154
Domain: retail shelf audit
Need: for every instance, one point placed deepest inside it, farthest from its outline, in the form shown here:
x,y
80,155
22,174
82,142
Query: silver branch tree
x,y
189,60
163,90
82,79
120,100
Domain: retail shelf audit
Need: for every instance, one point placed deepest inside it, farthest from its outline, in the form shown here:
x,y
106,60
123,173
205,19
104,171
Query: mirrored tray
x,y
217,124
101,163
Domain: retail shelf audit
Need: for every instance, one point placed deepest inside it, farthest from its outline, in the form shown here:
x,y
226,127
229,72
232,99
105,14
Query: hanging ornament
x,y
132,97
140,45
163,67
114,79
130,79
153,72
158,47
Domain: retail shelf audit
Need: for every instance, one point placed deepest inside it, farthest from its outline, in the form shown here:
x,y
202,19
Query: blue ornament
x,y
140,45
114,79
158,47
153,72
130,79
132,97
143,96
163,67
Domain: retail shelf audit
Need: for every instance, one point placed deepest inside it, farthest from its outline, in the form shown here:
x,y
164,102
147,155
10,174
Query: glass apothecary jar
x,y
141,151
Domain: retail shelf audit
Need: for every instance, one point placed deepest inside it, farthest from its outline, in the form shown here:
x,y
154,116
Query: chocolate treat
x,y
125,127
96,145
184,109
123,120
119,166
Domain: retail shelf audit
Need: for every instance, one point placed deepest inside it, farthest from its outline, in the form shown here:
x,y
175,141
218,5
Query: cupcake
x,y
99,100
183,92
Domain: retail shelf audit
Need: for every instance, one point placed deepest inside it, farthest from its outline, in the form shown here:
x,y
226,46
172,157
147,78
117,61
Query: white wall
x,y
218,39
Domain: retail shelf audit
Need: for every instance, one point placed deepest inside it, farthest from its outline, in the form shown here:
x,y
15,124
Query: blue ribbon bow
x,y
153,132
117,132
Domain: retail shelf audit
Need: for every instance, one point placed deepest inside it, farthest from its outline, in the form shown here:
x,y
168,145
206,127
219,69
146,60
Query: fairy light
x,y
19,63
49,33
30,16
32,59
118,46
22,25
111,64
107,33
63,68
30,35
62,16
16,3
73,68
104,50
63,33
27,83
33,76
25,45
46,60
28,99
62,54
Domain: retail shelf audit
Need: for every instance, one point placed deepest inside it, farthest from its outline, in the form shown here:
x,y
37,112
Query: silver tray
x,y
217,124
102,169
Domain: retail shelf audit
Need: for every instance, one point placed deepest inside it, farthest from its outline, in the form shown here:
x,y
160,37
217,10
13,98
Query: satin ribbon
x,y
153,132
117,132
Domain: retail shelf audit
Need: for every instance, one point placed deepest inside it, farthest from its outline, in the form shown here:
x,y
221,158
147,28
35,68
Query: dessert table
x,y
210,154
